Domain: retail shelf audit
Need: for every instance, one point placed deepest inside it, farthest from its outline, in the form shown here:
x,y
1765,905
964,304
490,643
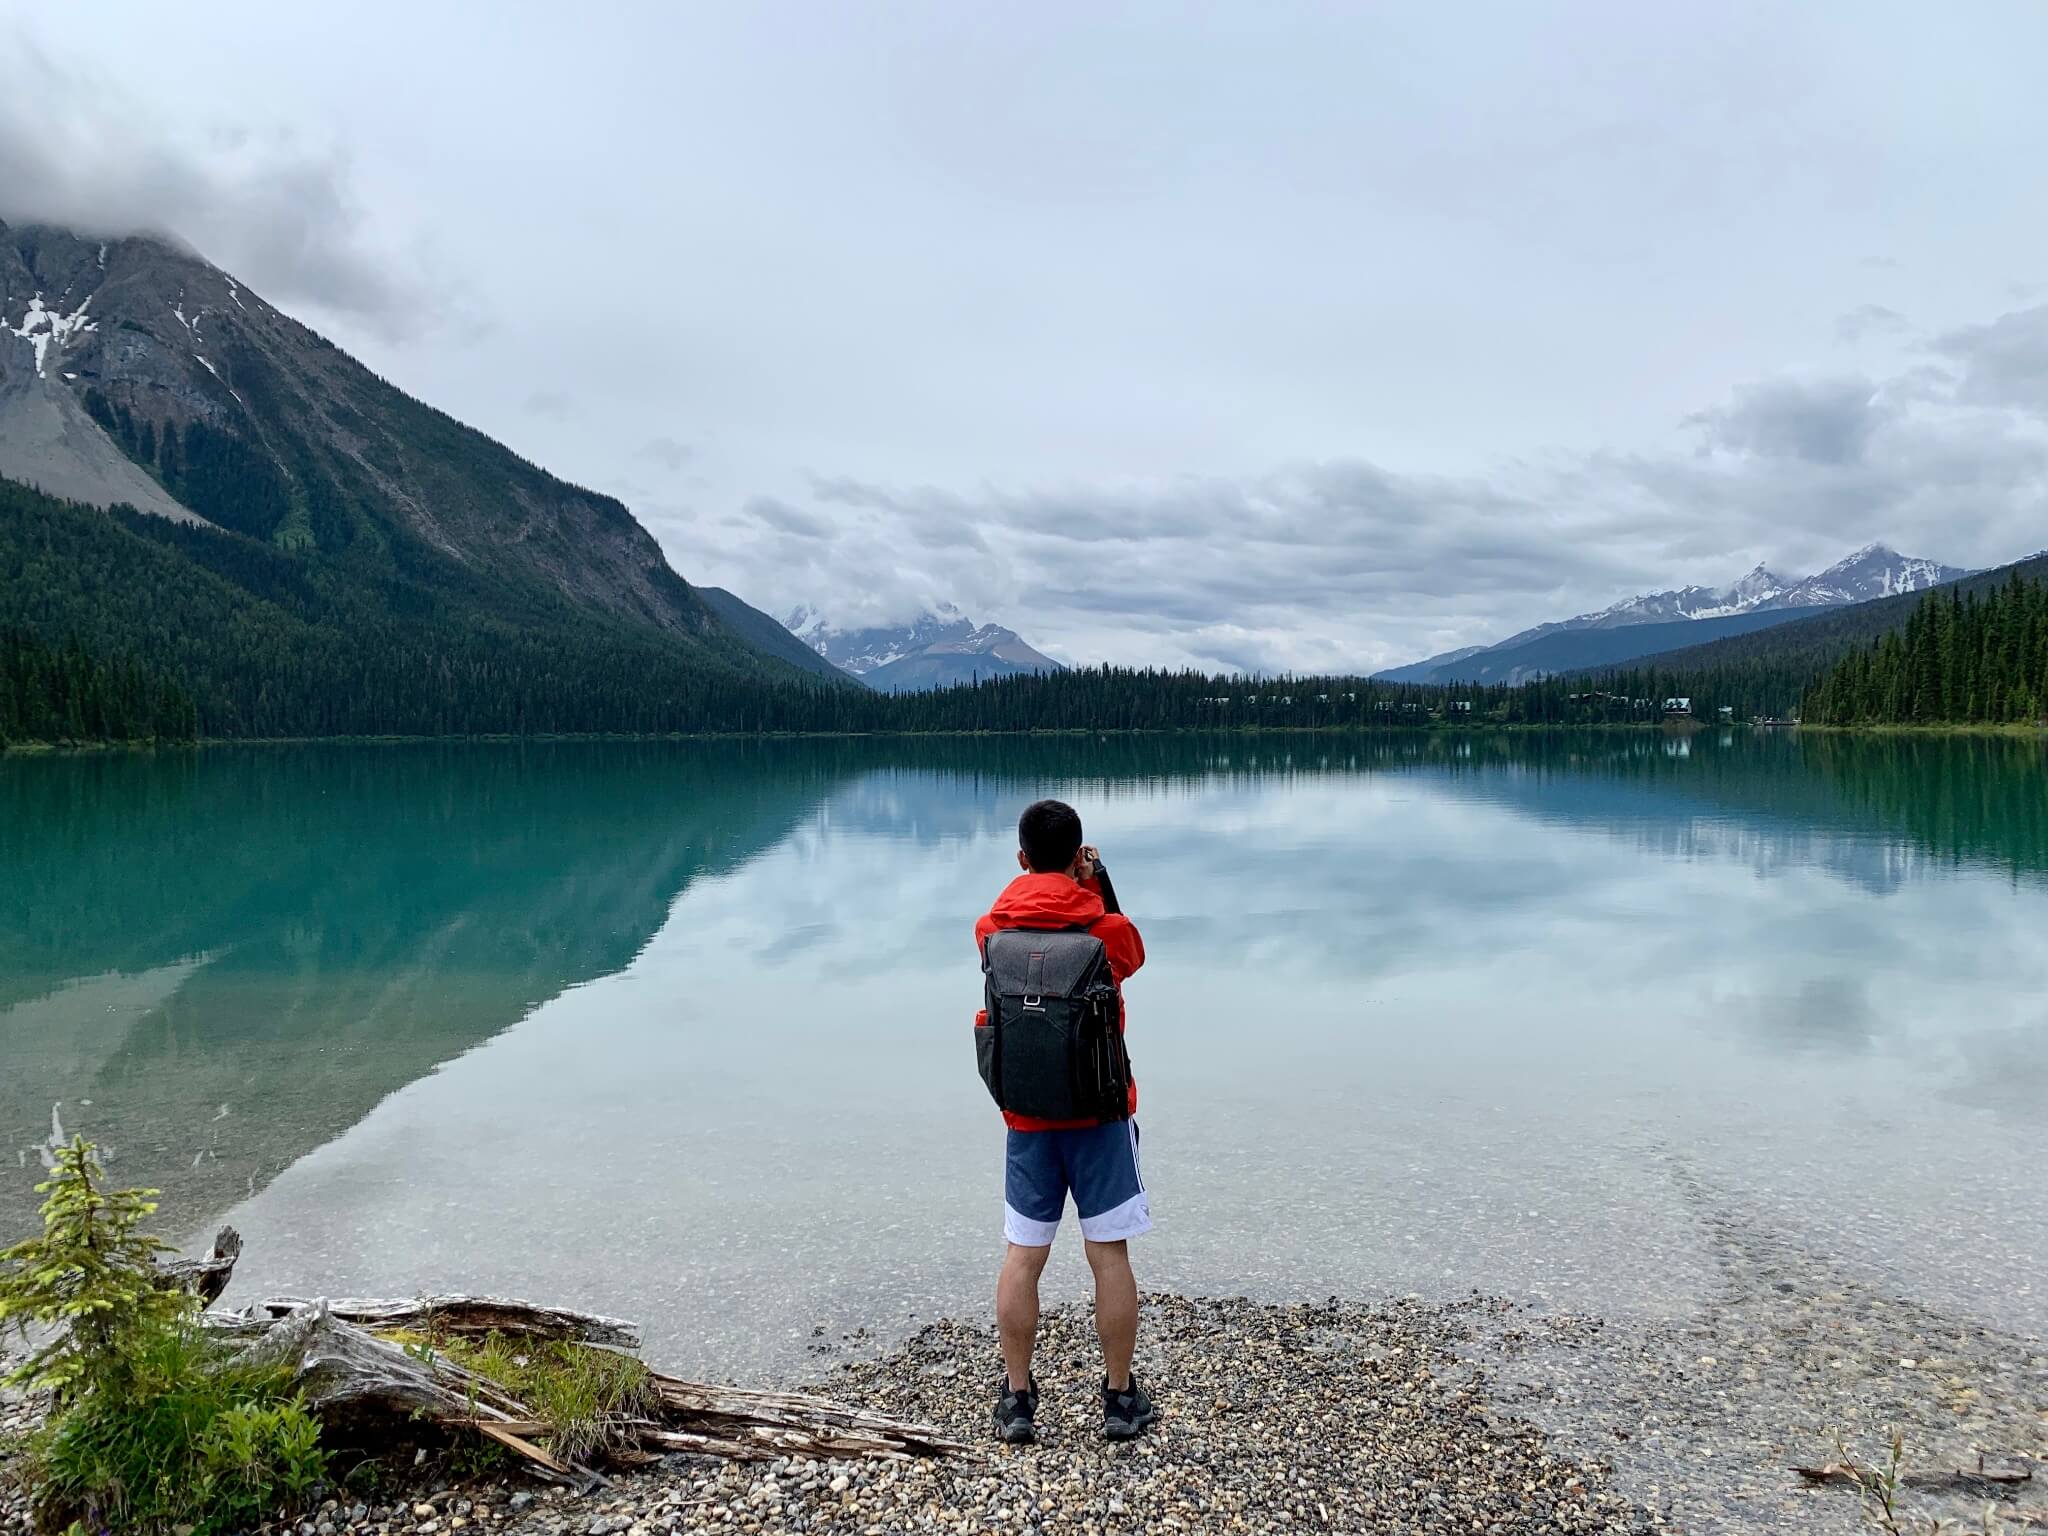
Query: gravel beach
x,y
1276,1418
1474,1414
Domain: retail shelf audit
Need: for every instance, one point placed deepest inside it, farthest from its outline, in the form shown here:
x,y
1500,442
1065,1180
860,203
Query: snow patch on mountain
x,y
861,651
1874,571
940,647
46,330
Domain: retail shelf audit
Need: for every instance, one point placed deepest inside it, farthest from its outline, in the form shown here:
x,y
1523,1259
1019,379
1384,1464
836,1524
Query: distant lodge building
x,y
1677,709
1223,699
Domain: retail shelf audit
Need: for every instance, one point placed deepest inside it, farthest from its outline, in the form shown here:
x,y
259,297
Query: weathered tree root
x,y
206,1278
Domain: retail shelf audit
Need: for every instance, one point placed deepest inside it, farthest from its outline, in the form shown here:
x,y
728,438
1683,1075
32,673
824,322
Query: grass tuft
x,y
582,1392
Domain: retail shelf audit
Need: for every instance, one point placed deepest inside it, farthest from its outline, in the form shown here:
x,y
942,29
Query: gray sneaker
x,y
1125,1414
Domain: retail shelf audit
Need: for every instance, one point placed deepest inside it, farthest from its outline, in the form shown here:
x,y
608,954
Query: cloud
x,y
2003,363
549,403
787,519
1298,569
1344,563
280,214
1826,1016
2003,1069
667,452
1826,421
1868,320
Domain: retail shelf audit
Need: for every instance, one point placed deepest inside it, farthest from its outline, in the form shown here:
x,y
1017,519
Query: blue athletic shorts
x,y
1098,1165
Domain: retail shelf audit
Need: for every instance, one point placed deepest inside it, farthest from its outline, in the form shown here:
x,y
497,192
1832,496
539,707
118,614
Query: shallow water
x,y
679,1031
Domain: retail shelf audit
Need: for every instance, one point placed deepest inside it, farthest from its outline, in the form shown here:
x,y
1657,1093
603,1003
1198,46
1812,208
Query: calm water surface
x,y
679,1031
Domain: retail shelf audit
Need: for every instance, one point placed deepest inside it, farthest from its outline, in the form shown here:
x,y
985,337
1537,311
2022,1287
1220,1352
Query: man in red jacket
x,y
1065,886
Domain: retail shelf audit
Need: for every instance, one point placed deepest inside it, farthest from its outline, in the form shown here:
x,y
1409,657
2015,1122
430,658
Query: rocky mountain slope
x,y
1758,600
257,425
291,478
939,649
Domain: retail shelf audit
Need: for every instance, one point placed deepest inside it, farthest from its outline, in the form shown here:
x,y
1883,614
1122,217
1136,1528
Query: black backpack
x,y
1053,1047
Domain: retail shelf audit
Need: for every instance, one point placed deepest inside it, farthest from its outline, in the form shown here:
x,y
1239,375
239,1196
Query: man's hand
x,y
1087,861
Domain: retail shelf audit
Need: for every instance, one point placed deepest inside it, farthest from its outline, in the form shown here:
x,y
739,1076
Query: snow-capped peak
x,y
1876,570
942,630
863,650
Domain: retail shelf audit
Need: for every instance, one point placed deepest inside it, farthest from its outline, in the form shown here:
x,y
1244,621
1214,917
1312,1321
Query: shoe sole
x,y
1128,1429
1023,1436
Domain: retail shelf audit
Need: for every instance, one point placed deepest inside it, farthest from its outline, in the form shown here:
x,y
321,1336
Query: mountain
x,y
765,635
1818,638
1874,571
938,650
406,571
987,650
1419,671
1655,622
1581,650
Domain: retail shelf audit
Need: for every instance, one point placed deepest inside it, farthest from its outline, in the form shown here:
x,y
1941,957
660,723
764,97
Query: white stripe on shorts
x,y
1131,1219
1026,1233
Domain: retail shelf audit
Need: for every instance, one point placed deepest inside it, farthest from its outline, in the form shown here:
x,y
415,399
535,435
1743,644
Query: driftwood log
x,y
1980,1479
469,1317
348,1371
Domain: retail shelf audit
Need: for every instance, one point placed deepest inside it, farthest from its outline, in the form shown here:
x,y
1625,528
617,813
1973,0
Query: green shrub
x,y
193,1439
90,1276
154,1425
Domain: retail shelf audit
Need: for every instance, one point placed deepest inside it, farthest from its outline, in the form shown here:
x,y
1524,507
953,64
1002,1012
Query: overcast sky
x,y
1256,335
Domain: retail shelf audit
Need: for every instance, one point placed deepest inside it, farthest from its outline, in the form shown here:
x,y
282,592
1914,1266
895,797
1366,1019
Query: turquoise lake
x,y
679,1031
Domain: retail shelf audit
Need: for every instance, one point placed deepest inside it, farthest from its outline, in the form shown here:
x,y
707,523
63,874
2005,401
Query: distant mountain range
x,y
1818,637
936,651
1657,622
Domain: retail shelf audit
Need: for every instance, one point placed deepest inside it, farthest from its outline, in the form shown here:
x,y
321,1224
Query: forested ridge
x,y
1962,658
121,626
268,642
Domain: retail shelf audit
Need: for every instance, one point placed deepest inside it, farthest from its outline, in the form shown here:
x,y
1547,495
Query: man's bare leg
x,y
1017,1310
1116,1310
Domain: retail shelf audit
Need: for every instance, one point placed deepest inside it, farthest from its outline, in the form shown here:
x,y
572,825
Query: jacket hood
x,y
1045,901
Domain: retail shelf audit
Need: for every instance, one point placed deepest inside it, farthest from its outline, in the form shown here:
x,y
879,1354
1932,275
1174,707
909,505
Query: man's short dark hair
x,y
1049,832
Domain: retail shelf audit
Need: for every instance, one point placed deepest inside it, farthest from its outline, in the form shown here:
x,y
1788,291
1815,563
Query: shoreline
x,y
2024,732
205,743
1399,1414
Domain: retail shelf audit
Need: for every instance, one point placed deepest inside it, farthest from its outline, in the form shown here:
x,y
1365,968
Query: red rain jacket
x,y
1055,901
